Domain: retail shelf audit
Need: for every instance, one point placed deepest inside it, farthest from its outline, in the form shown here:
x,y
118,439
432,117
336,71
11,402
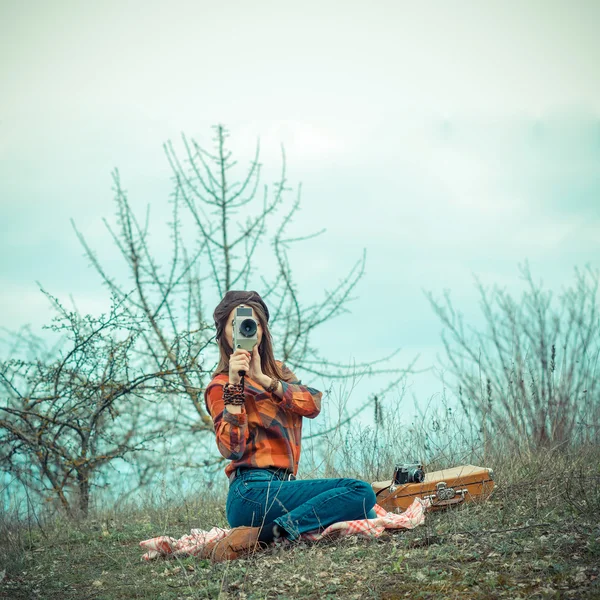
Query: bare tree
x,y
532,373
218,224
70,411
230,219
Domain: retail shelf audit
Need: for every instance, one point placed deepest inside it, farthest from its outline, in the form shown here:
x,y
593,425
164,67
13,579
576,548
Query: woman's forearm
x,y
265,382
297,398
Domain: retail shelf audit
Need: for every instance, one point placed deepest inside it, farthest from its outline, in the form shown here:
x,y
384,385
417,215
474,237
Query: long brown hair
x,y
265,349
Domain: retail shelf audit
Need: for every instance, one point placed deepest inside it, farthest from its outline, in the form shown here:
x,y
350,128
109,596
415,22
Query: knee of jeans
x,y
366,491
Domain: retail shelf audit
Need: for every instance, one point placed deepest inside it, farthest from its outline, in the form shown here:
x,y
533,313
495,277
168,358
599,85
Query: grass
x,y
537,537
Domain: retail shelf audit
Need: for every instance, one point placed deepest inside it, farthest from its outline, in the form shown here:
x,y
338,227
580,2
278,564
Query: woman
x,y
258,425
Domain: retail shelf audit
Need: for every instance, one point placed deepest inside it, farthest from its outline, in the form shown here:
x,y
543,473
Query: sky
x,y
447,139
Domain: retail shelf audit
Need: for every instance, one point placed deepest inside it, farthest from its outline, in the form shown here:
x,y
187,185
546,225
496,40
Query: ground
x,y
522,543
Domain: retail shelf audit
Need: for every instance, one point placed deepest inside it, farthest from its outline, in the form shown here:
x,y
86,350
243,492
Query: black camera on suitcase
x,y
408,473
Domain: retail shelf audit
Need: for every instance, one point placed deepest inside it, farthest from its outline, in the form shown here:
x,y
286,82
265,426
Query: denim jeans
x,y
260,496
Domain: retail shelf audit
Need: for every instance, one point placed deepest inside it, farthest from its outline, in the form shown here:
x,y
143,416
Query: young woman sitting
x,y
258,425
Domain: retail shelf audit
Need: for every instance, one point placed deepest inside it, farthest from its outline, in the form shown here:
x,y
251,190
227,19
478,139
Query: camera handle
x,y
242,374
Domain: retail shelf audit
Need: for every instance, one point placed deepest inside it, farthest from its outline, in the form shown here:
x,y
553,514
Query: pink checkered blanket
x,y
192,544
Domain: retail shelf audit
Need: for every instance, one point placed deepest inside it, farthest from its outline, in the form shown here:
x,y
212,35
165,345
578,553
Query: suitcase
x,y
444,488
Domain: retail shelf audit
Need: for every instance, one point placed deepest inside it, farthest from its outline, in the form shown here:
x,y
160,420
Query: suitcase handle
x,y
450,502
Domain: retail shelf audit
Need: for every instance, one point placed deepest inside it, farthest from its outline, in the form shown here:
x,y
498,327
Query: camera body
x,y
245,329
408,473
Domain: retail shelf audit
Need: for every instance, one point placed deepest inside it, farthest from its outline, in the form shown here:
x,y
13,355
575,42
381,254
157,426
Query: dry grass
x,y
538,537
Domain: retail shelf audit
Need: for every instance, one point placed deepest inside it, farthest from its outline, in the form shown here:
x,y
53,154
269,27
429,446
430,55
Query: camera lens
x,y
248,327
418,475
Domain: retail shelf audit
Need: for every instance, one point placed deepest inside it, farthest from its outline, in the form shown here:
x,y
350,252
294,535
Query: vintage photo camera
x,y
245,329
408,473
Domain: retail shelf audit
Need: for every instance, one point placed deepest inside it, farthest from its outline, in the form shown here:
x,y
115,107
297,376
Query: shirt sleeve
x,y
297,398
231,429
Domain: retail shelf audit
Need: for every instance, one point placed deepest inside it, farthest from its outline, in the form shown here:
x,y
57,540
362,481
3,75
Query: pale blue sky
x,y
446,139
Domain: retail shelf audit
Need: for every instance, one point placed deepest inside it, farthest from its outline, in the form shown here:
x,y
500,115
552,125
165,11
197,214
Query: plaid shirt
x,y
268,431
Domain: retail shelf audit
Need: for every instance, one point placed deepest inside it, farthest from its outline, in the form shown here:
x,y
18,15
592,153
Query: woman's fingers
x,y
240,362
240,352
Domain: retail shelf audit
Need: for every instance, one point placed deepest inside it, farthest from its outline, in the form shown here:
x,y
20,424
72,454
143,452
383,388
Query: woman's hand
x,y
239,361
255,372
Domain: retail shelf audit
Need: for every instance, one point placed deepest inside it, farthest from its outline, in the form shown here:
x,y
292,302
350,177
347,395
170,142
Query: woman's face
x,y
229,327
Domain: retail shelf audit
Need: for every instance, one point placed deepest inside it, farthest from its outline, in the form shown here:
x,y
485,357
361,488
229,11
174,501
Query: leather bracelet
x,y
273,385
233,393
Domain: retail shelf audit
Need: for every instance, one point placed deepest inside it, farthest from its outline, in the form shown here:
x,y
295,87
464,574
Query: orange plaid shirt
x,y
268,431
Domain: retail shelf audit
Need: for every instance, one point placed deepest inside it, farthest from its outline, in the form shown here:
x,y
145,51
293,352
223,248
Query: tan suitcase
x,y
444,488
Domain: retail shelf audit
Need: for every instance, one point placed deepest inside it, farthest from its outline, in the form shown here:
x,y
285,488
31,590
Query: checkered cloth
x,y
192,545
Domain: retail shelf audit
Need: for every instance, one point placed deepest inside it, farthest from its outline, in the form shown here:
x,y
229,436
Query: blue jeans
x,y
260,496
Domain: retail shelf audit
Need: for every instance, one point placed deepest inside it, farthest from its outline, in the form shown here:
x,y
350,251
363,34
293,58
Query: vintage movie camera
x,y
245,329
408,473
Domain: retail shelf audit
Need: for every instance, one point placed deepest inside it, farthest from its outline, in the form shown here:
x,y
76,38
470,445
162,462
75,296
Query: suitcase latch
x,y
444,492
